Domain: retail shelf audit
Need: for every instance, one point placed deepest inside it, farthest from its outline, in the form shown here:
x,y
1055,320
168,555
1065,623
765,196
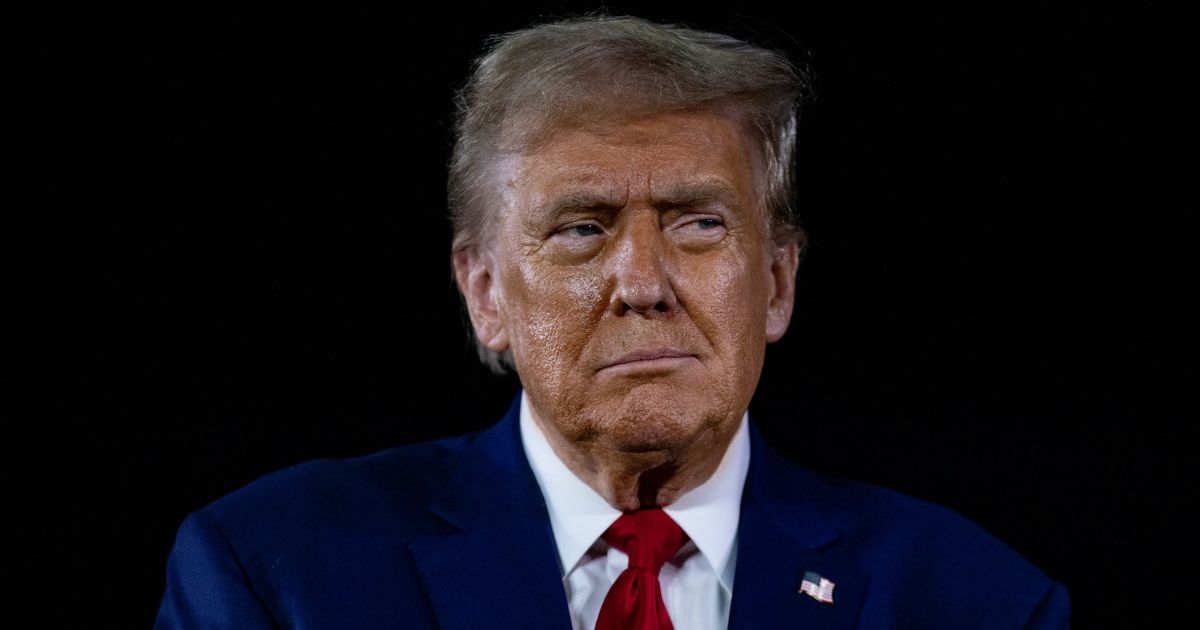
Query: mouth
x,y
649,358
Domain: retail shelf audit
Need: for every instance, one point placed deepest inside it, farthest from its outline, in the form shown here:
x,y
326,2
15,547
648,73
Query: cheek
x,y
551,316
729,305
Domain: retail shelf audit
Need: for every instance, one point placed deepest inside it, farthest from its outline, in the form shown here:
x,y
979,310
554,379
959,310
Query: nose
x,y
640,267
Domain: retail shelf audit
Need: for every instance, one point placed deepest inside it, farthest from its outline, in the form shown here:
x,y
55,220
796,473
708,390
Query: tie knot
x,y
648,536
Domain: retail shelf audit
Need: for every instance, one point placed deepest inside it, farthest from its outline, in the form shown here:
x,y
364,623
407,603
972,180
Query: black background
x,y
248,267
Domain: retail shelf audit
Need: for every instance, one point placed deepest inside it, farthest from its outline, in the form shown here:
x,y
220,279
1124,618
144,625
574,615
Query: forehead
x,y
663,155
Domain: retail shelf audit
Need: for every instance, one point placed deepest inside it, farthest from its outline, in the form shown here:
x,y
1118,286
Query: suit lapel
x,y
781,535
501,569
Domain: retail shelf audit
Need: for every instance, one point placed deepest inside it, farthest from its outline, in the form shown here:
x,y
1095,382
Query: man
x,y
624,240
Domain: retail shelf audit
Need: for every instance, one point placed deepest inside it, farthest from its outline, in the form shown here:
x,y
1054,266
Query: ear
x,y
475,273
785,260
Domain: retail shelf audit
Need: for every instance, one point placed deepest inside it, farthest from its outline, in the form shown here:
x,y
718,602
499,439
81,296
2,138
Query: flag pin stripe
x,y
817,587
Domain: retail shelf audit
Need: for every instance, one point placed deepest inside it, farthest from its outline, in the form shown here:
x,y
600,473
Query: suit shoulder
x,y
326,530
385,489
908,544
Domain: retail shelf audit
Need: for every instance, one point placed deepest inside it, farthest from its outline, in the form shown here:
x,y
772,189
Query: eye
x,y
703,224
583,229
699,231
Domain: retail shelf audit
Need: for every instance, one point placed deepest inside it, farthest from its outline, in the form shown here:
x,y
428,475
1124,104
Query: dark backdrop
x,y
253,271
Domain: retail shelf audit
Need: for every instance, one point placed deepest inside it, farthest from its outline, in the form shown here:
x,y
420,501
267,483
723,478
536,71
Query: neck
x,y
631,480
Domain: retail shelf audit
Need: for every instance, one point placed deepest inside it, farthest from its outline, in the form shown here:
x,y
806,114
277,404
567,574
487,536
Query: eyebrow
x,y
679,195
573,201
698,193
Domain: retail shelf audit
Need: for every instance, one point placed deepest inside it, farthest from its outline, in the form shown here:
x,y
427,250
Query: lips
x,y
647,355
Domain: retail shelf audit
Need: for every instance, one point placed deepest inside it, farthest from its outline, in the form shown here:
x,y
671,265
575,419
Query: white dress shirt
x,y
697,584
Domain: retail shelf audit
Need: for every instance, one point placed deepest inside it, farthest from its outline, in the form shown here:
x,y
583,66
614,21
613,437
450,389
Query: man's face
x,y
637,237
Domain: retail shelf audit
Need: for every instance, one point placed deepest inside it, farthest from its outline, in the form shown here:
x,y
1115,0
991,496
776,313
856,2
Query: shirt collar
x,y
579,515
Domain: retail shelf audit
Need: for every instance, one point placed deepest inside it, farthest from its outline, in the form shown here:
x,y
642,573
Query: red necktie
x,y
634,602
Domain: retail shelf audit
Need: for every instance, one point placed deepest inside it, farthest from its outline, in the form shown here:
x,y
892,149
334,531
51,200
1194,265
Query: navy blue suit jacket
x,y
454,534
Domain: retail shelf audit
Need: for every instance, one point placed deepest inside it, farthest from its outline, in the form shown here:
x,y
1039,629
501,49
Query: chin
x,y
651,418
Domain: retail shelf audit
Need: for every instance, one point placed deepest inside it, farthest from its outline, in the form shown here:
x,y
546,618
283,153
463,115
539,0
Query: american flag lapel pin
x,y
817,587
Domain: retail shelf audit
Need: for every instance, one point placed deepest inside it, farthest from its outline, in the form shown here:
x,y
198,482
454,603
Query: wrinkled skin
x,y
635,265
